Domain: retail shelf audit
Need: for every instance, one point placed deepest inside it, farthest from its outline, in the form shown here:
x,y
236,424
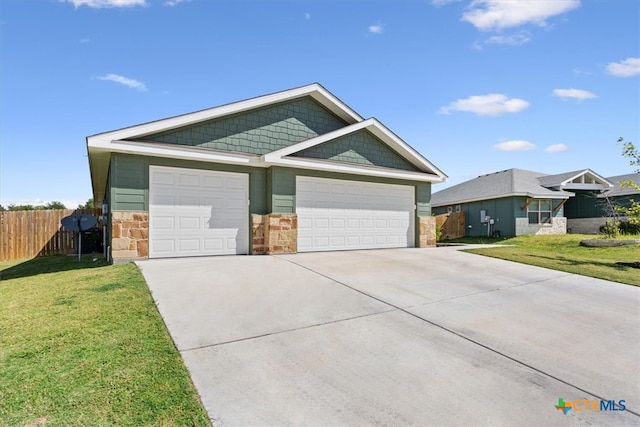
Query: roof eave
x,y
566,195
315,90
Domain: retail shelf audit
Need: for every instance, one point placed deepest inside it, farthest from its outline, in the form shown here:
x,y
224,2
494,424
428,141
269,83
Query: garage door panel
x,y
199,214
214,182
336,215
162,178
189,180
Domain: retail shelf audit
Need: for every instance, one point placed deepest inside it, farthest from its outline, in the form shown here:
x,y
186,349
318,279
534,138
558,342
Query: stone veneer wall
x,y
558,226
257,234
129,235
274,234
427,231
586,225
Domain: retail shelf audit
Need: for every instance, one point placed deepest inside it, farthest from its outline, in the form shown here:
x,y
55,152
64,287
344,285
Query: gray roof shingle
x,y
510,182
617,190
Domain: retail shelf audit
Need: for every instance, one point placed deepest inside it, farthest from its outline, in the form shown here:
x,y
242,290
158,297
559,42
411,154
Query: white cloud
x,y
579,72
556,148
625,68
488,15
84,40
376,29
132,83
442,2
507,39
99,4
307,15
514,39
493,104
515,145
578,94
174,2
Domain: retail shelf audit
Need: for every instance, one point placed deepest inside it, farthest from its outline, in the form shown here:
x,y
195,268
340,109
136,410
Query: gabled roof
x,y
130,141
506,183
315,90
618,190
584,179
283,157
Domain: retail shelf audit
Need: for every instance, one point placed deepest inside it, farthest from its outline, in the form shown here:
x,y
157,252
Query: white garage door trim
x,y
343,215
195,212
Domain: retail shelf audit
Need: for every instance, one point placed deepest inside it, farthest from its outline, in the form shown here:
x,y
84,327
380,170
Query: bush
x,y
438,232
627,227
610,228
613,229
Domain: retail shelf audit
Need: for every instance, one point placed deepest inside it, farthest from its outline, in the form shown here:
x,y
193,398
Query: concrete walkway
x,y
398,337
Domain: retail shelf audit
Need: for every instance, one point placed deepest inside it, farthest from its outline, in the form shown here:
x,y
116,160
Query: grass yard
x,y
564,253
83,345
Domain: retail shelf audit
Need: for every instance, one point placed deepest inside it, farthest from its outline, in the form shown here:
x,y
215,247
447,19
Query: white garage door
x,y
195,212
338,215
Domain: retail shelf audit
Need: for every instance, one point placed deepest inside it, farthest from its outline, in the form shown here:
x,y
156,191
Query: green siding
x,y
503,210
423,199
584,204
360,148
129,183
130,189
283,190
259,131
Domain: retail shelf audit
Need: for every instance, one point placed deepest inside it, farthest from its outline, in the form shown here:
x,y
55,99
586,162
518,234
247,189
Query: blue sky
x,y
475,86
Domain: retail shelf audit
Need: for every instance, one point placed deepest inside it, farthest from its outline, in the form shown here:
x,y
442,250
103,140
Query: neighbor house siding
x,y
360,148
259,131
135,181
584,204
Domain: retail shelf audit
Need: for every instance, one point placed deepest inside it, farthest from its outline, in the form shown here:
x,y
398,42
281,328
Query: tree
x,y
21,207
2,208
55,205
629,151
632,212
88,205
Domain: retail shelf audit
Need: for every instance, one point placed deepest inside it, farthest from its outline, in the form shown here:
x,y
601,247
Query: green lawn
x,y
564,253
84,345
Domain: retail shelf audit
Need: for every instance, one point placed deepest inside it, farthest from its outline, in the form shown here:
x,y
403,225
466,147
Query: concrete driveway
x,y
399,337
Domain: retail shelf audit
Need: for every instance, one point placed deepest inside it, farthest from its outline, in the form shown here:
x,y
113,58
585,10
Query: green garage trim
x,y
130,183
282,183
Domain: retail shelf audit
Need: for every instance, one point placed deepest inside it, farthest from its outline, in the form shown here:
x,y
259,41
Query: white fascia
x,y
303,163
316,91
376,128
603,181
175,152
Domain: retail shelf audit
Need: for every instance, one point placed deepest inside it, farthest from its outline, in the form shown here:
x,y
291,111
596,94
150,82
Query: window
x,y
457,208
539,212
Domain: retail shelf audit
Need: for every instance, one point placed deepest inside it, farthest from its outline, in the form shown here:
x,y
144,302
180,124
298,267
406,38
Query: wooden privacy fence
x,y
27,234
452,225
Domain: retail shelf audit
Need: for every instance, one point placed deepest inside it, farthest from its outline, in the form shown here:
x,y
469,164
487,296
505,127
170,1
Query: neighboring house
x,y
515,201
288,172
587,211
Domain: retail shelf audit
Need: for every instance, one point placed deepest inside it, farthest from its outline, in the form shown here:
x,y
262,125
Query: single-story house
x,y
292,171
587,211
514,202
